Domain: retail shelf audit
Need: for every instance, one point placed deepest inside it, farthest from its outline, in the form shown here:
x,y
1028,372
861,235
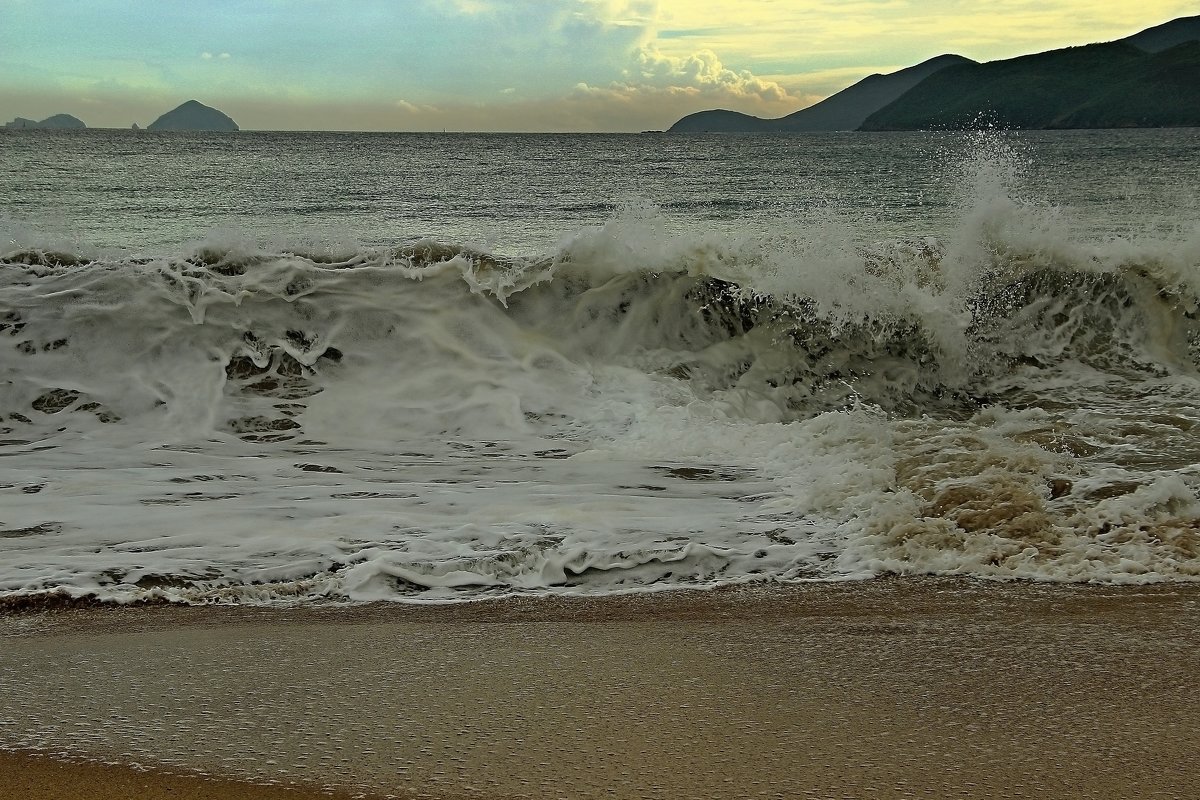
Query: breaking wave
x,y
630,411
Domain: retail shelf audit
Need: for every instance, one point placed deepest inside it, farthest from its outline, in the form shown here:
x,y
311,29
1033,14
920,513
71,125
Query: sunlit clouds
x,y
701,72
540,65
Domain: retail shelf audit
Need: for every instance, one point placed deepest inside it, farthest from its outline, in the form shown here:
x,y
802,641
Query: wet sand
x,y
896,688
39,777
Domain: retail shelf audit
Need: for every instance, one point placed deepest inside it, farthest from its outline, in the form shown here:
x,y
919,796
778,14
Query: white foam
x,y
636,410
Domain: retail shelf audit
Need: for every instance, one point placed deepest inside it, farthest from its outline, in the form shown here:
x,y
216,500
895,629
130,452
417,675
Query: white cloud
x,y
702,71
656,89
413,108
515,64
472,7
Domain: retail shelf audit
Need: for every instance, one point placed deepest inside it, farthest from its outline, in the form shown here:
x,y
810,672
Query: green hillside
x,y
1111,85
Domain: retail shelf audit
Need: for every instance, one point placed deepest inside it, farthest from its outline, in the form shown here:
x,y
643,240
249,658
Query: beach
x,y
778,466
35,777
888,688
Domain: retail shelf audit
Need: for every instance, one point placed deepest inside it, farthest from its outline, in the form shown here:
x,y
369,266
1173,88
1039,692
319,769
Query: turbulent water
x,y
272,367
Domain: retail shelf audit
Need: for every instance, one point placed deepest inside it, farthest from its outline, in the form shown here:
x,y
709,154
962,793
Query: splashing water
x,y
637,408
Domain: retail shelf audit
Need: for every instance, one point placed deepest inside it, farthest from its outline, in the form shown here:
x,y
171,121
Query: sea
x,y
298,368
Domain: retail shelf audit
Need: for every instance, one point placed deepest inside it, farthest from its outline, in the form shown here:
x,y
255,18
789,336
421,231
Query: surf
x,y
253,419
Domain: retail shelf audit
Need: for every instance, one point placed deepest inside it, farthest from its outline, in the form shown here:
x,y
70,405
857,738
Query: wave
x,y
629,411
904,325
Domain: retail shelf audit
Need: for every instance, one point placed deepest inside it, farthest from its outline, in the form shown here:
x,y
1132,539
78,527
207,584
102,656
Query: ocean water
x,y
280,367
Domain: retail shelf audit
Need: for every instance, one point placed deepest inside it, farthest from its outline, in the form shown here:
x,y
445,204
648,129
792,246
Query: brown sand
x,y
883,689
33,777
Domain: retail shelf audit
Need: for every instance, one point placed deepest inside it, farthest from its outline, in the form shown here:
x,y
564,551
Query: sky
x,y
502,65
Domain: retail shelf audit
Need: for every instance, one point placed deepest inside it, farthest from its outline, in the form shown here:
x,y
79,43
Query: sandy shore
x,y
883,689
39,777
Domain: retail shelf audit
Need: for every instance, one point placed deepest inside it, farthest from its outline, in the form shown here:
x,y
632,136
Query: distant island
x,y
57,122
193,116
189,116
1149,79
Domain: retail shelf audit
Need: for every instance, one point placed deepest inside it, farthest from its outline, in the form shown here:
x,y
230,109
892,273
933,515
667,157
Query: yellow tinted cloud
x,y
533,64
701,71
1003,28
816,47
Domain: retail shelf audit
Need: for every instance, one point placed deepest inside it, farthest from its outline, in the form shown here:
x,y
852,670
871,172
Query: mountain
x,y
849,108
193,116
1150,79
57,121
722,121
844,111
1165,36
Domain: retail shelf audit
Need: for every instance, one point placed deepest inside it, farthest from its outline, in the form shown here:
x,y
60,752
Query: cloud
x,y
814,48
509,64
655,89
702,71
415,109
827,33
472,7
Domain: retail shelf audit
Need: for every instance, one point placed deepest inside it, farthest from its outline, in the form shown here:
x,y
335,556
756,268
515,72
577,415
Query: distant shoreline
x,y
664,134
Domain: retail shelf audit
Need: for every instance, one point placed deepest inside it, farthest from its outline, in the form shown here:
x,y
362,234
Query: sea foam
x,y
634,409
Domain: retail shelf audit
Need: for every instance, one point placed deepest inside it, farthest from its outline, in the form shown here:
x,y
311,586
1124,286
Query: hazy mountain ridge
x,y
189,116
56,122
1112,85
1165,36
1148,79
844,111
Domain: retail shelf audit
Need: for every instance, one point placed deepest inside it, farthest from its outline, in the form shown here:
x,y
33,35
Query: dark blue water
x,y
522,193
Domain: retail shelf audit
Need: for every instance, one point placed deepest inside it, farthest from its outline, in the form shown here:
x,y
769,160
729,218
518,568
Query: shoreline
x,y
897,687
